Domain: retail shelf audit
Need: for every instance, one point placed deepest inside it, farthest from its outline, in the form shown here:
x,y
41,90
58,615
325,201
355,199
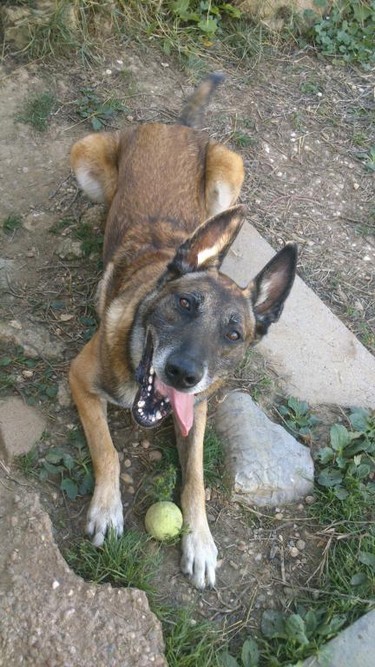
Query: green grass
x,y
11,223
32,377
37,110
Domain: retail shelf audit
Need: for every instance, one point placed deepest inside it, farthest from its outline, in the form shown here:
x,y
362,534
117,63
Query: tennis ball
x,y
163,520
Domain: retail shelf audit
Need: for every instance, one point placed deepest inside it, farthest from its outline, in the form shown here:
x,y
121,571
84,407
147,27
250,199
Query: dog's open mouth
x,y
155,400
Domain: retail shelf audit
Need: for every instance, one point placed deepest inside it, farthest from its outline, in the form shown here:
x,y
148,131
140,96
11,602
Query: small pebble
x,y
279,516
128,479
55,584
300,544
309,500
208,494
131,490
155,455
127,463
294,552
145,444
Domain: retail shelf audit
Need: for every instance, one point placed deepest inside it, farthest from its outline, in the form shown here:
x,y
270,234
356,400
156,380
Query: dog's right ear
x,y
209,244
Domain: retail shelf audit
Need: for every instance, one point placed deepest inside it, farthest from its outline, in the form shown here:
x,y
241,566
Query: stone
x,y
69,249
6,272
316,358
354,647
267,466
33,338
21,426
49,615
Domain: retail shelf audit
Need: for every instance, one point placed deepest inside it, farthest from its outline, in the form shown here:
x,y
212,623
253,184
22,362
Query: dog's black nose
x,y
183,372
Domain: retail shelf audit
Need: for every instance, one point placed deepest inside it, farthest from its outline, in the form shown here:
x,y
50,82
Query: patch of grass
x,y
12,222
297,418
345,31
91,239
133,560
344,584
125,561
96,110
62,225
32,377
368,159
242,140
37,110
69,466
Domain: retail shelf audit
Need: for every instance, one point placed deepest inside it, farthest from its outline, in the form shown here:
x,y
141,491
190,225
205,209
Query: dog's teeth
x,y
158,415
152,370
150,378
149,387
141,404
153,418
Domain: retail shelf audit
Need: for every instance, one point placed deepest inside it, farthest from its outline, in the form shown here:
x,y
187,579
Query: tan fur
x,y
192,179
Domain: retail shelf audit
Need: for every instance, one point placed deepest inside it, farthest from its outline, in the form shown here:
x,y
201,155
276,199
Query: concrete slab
x,y
315,356
354,647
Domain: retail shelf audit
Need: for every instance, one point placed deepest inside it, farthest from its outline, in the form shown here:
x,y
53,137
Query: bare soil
x,y
304,130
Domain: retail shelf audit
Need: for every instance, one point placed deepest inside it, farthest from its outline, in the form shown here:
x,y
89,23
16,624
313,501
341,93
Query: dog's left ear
x,y
271,287
209,244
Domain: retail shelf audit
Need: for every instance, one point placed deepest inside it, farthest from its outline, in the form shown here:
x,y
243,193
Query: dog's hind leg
x,y
105,510
199,552
94,161
224,178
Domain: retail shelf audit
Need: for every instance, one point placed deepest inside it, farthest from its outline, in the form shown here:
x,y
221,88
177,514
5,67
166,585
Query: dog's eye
x,y
185,303
233,336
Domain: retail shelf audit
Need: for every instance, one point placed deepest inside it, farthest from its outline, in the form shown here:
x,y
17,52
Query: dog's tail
x,y
194,110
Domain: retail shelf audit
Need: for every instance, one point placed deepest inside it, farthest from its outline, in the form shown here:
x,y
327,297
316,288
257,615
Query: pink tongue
x,y
182,404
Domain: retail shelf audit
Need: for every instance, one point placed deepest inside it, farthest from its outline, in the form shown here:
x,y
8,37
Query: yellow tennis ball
x,y
163,520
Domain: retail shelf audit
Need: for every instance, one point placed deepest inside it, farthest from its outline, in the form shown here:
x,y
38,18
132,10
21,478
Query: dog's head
x,y
198,323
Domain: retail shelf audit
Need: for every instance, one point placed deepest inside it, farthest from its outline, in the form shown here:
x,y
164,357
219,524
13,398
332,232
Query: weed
x,y
69,465
297,418
91,239
12,223
62,225
346,32
205,17
242,140
31,376
91,107
37,110
368,159
347,464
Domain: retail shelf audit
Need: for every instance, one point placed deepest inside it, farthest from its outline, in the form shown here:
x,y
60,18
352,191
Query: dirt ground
x,y
304,130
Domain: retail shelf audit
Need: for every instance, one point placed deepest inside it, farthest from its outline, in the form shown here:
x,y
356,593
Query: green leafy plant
x,y
38,110
368,157
12,223
96,110
249,656
206,16
69,465
346,31
31,376
348,462
297,418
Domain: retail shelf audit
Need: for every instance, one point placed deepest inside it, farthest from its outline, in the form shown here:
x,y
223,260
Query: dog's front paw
x,y
199,557
105,513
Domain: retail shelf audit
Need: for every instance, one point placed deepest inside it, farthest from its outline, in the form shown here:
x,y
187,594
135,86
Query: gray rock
x,y
34,339
21,426
69,249
6,270
354,647
267,465
49,615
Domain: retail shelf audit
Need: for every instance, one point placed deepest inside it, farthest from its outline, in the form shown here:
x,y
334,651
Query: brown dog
x,y
172,326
